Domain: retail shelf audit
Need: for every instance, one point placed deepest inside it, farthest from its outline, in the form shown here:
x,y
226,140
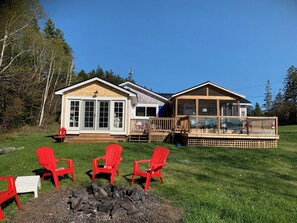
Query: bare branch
x,y
14,32
19,54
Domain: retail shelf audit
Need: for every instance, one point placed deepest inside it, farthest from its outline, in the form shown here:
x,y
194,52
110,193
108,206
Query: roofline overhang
x,y
72,87
202,85
144,89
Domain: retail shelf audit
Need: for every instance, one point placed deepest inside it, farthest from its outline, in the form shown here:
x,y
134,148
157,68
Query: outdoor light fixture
x,y
95,94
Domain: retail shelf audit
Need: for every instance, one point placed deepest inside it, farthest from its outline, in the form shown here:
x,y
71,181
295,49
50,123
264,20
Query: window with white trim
x,y
74,114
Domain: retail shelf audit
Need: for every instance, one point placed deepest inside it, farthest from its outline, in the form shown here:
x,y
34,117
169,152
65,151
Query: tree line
x,y
35,61
284,105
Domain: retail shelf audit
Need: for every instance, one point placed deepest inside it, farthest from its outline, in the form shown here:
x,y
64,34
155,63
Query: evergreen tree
x,y
268,99
257,111
99,72
290,95
50,32
290,88
278,108
50,29
92,73
82,75
278,102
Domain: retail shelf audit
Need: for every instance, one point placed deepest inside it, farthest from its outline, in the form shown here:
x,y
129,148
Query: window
x,y
118,114
74,114
89,114
146,111
151,111
103,115
140,111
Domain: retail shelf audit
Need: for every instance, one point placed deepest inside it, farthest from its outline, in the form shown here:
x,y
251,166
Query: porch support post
x,y
218,116
197,108
176,106
175,115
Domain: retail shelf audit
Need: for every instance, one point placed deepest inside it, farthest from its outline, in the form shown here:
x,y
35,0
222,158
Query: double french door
x,y
105,115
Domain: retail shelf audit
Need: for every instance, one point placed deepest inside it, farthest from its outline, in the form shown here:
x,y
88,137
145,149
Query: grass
x,y
207,184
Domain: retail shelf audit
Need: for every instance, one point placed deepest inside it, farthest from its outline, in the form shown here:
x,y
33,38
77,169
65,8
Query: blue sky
x,y
172,45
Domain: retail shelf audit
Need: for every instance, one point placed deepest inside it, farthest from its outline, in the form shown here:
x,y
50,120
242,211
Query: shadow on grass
x,y
105,176
55,140
50,178
138,180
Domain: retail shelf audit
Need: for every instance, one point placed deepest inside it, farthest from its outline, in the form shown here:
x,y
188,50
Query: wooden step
x,y
139,138
96,137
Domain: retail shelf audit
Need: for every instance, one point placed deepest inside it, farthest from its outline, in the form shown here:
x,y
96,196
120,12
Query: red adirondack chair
x,y
112,158
49,162
61,136
156,163
9,193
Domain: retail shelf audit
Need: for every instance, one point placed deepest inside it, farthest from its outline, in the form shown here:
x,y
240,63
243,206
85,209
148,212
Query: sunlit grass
x,y
206,184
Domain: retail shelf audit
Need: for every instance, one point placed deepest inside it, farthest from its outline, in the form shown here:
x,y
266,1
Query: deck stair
x,y
96,138
139,137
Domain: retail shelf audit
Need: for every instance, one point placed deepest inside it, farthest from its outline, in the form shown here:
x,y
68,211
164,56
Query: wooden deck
x,y
194,131
237,132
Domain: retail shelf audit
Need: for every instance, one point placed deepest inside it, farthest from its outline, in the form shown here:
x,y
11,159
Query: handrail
x,y
248,125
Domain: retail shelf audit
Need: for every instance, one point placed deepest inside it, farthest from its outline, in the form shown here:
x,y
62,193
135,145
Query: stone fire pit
x,y
108,204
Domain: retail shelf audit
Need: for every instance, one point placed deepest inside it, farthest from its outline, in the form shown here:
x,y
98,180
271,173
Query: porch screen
x,y
207,107
186,107
229,108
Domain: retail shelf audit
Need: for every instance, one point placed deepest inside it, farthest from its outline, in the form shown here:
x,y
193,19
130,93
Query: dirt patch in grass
x,y
53,206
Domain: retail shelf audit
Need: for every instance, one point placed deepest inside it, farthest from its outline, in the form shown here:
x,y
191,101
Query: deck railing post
x,y
219,125
189,125
247,126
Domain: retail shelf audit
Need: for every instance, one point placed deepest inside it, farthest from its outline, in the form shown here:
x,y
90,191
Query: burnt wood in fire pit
x,y
114,202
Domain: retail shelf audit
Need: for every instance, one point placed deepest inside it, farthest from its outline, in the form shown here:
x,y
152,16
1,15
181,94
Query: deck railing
x,y
232,125
153,124
139,125
162,124
209,125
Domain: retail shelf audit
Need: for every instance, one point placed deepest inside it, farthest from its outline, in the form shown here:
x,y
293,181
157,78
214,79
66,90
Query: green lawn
x,y
208,184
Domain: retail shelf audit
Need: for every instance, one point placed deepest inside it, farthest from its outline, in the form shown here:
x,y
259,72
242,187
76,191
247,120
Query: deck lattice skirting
x,y
230,143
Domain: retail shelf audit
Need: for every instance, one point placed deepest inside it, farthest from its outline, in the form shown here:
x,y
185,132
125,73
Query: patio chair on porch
x,y
9,193
49,162
112,158
156,163
61,136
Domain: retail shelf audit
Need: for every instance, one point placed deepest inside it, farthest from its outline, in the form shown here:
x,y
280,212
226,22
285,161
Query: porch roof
x,y
204,84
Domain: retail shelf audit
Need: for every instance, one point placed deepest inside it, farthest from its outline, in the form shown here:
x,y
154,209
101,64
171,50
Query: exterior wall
x,y
90,89
147,99
144,98
88,92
